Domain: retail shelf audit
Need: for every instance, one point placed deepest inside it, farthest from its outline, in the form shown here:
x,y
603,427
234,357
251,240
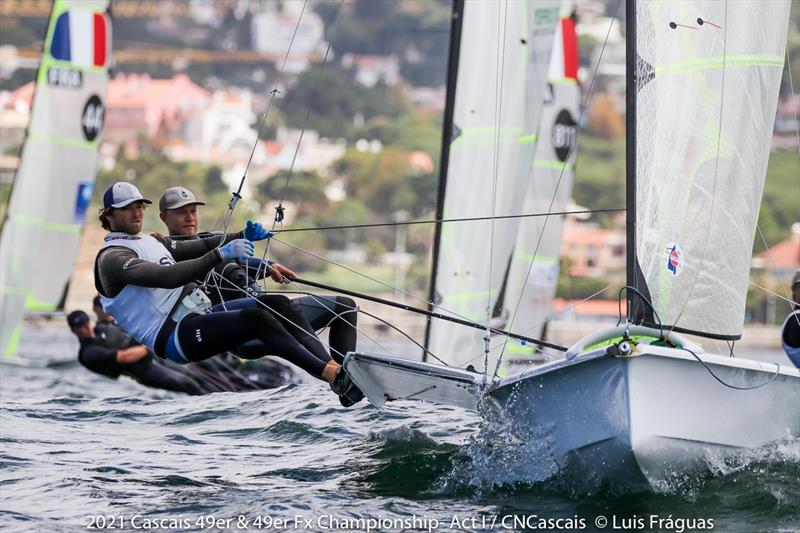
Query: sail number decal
x,y
92,118
64,77
564,134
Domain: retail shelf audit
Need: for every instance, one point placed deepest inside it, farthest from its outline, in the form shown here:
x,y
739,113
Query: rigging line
x,y
735,387
788,300
219,381
445,220
363,333
551,355
377,281
564,167
500,77
772,263
237,195
272,97
252,384
716,176
279,209
569,308
794,96
216,285
359,310
276,313
431,314
406,335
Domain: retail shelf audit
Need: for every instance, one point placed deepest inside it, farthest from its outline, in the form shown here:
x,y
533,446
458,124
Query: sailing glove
x,y
238,249
255,262
255,232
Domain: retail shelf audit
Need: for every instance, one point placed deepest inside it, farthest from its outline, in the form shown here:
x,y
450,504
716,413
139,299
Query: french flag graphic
x,y
82,38
564,59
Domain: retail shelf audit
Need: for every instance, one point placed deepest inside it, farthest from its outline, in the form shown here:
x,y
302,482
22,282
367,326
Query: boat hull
x,y
645,420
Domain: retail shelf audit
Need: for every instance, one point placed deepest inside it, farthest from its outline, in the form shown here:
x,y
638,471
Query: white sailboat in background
x,y
640,404
59,159
533,275
497,94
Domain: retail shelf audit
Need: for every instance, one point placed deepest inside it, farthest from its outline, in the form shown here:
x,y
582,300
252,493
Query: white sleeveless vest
x,y
142,311
791,351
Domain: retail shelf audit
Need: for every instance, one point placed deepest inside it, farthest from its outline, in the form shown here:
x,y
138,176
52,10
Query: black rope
x,y
644,298
431,314
473,219
735,387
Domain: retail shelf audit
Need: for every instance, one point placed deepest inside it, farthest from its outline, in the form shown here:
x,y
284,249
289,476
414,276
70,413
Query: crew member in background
x,y
178,206
790,332
111,352
225,371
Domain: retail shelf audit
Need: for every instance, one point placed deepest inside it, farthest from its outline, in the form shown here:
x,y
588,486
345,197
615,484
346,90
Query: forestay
x,y
53,185
503,59
707,74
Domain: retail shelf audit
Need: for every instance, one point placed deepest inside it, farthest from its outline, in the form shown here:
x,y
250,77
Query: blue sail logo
x,y
674,259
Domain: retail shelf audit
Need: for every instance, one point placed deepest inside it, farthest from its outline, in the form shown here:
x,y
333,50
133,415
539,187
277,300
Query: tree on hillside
x,y
306,189
604,119
331,99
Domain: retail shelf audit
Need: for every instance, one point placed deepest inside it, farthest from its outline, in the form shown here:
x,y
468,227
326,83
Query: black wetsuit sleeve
x,y
119,266
183,249
100,359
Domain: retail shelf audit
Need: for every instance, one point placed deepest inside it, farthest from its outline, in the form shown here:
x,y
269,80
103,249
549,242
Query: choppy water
x,y
80,449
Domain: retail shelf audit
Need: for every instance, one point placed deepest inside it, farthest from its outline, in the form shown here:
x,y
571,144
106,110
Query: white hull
x,y
638,421
646,419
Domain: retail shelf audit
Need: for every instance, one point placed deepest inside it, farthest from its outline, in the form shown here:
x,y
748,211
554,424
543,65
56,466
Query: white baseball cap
x,y
121,194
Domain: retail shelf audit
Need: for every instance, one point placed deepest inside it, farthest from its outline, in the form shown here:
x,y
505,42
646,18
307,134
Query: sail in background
x,y
54,182
503,59
534,267
707,82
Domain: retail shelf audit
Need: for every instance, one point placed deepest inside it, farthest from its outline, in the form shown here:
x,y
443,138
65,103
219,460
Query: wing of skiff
x,y
385,378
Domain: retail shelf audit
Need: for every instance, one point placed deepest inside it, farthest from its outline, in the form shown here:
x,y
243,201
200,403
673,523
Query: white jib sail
x,y
496,114
54,182
534,268
708,74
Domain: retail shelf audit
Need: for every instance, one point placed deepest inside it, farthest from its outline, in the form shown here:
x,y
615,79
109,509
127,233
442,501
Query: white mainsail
x,y
53,185
707,76
534,267
503,59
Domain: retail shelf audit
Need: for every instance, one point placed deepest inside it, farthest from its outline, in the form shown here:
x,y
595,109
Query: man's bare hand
x,y
280,273
157,235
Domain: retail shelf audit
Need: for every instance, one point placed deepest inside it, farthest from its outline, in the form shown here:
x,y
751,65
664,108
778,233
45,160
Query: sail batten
x,y
705,102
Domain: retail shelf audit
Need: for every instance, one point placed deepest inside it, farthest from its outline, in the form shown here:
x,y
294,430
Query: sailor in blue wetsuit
x,y
108,351
178,211
146,283
790,332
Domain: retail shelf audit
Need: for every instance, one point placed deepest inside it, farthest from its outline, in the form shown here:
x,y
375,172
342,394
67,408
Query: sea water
x,y
81,451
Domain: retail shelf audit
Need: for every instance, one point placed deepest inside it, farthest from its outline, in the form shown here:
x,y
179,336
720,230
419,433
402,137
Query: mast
x,y
630,153
447,137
